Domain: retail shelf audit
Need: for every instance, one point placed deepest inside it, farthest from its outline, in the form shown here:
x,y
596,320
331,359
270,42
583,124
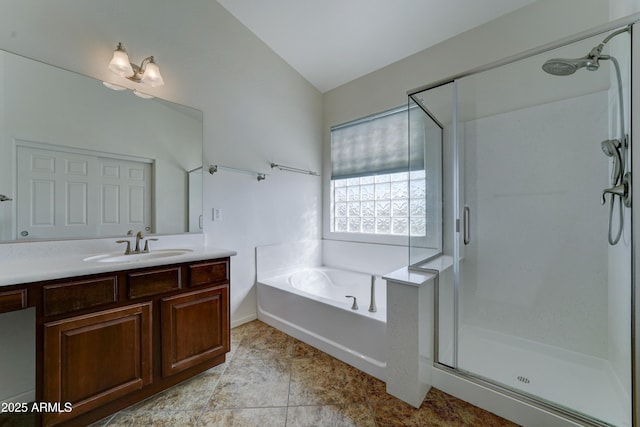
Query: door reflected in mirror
x,y
79,160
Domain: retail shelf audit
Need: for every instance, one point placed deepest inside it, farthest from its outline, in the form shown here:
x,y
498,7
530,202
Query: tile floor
x,y
272,379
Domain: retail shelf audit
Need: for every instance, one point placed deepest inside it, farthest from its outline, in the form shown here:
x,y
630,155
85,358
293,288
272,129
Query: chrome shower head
x,y
561,66
566,67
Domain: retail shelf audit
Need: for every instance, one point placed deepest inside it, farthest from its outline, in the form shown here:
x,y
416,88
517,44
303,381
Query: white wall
x,y
256,108
537,264
539,23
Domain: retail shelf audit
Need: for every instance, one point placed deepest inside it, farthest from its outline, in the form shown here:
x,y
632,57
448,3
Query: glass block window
x,y
378,179
387,204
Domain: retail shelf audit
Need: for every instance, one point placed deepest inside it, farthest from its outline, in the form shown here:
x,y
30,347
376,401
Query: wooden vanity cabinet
x,y
110,340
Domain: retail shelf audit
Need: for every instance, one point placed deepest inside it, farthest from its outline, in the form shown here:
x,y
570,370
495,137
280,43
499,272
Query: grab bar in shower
x,y
466,218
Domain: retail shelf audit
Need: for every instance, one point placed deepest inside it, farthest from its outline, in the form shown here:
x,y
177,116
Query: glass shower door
x,y
431,148
543,302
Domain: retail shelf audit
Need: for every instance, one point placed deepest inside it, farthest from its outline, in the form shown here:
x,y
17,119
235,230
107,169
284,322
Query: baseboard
x,y
243,320
24,397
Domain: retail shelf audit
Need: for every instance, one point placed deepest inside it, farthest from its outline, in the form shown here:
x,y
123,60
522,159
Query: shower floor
x,y
582,383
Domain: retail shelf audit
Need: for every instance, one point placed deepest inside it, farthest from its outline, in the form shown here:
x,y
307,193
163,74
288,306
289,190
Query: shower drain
x,y
524,380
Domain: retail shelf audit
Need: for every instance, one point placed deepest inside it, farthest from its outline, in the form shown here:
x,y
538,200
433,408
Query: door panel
x,y
54,194
80,194
126,196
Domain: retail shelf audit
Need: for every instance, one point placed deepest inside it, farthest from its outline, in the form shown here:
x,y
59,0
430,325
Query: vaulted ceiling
x,y
331,42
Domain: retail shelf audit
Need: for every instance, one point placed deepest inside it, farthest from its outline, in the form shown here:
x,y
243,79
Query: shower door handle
x,y
466,226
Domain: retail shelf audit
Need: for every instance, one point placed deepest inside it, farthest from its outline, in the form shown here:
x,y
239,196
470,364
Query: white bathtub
x,y
310,305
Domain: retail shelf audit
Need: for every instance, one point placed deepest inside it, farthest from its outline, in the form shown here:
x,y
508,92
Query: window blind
x,y
373,145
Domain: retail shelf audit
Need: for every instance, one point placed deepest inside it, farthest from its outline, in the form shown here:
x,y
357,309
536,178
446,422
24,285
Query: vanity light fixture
x,y
147,73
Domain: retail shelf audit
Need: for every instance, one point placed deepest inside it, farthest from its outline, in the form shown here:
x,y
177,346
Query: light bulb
x,y
120,62
152,76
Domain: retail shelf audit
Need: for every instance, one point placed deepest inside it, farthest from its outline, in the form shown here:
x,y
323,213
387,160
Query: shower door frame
x,y
635,236
630,21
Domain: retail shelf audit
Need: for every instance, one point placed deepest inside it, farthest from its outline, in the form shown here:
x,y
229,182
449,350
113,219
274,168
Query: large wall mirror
x,y
79,160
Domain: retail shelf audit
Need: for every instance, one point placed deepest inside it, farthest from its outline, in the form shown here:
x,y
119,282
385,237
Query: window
x,y
373,191
379,204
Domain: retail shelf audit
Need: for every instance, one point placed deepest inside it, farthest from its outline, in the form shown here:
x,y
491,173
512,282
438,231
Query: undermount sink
x,y
119,257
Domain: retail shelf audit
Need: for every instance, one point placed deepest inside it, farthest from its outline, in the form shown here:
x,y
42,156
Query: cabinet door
x,y
195,328
93,359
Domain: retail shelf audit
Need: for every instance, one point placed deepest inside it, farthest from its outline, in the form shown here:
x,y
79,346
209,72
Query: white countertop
x,y
405,276
55,263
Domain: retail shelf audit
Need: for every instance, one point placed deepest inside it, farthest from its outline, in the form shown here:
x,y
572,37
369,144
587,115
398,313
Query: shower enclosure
x,y
531,205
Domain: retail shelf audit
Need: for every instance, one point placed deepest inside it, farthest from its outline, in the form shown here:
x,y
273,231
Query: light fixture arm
x,y
138,71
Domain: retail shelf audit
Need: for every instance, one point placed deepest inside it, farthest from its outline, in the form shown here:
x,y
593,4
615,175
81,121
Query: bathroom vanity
x,y
108,339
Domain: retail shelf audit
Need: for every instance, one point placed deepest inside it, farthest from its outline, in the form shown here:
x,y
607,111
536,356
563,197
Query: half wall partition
x,y
537,297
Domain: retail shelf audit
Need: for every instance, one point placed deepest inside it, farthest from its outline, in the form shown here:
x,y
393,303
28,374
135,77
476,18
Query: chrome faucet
x,y
136,249
127,251
146,244
139,237
372,304
355,303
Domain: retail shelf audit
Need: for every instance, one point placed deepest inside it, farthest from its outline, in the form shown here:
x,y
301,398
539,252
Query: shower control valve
x,y
621,190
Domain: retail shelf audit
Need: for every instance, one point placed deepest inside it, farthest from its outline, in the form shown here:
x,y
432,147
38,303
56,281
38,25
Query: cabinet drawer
x,y
13,300
208,273
79,295
153,282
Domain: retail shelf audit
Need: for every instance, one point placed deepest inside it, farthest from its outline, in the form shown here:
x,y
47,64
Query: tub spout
x,y
372,304
355,303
